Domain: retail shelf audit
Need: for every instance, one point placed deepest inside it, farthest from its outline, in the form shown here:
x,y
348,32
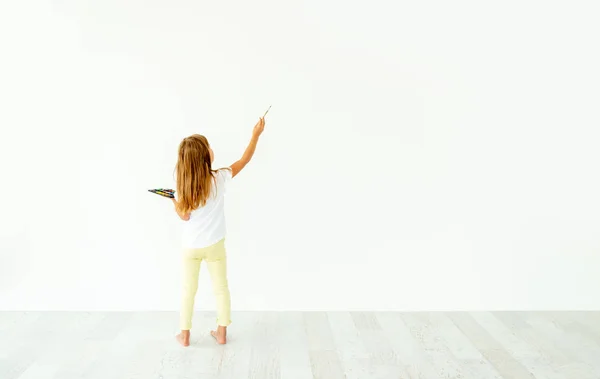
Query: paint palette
x,y
163,192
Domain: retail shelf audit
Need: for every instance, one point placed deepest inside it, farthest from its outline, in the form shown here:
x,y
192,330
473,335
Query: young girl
x,y
200,204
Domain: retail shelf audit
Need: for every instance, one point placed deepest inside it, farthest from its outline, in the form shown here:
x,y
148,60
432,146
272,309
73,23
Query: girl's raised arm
x,y
238,165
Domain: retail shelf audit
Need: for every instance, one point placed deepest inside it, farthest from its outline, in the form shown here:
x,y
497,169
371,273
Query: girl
x,y
200,204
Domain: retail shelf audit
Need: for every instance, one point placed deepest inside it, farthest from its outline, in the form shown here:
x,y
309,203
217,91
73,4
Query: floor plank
x,y
556,359
324,359
364,349
264,358
491,349
468,356
581,351
530,357
445,364
294,357
410,354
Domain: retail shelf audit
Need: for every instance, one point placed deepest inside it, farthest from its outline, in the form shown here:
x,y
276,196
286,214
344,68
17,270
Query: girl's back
x,y
206,224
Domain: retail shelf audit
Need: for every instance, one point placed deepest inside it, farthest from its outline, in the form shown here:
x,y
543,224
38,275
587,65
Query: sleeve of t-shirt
x,y
225,177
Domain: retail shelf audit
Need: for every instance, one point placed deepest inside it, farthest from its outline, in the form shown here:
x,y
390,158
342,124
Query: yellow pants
x,y
216,260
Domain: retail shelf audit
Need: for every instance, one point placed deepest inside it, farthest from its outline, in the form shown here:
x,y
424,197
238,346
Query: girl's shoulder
x,y
223,176
225,172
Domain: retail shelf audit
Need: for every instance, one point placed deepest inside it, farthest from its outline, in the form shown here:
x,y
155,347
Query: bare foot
x,y
184,338
220,335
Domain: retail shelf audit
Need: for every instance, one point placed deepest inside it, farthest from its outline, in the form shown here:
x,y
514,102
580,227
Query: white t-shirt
x,y
206,225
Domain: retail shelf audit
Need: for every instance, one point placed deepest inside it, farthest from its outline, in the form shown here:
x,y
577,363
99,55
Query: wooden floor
x,y
289,345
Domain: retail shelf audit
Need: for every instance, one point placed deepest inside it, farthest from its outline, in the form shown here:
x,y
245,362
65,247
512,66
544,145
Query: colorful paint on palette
x,y
163,192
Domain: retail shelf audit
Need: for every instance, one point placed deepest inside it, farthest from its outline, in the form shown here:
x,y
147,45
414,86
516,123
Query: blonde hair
x,y
194,173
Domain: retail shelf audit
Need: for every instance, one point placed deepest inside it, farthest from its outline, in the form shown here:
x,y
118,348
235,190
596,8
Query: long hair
x,y
194,173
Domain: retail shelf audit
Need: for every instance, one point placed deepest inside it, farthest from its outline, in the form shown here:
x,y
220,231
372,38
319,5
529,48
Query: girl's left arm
x,y
184,217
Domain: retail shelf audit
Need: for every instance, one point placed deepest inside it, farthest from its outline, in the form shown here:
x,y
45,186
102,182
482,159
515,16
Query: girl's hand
x,y
259,127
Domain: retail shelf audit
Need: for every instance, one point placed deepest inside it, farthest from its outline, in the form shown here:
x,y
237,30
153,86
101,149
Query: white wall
x,y
418,155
